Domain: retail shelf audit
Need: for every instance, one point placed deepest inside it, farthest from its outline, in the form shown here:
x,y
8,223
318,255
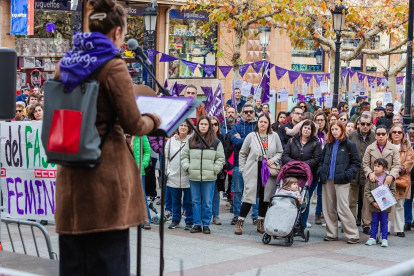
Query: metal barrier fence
x,y
31,224
402,269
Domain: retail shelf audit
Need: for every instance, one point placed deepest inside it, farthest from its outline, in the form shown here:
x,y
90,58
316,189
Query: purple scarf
x,y
265,172
89,51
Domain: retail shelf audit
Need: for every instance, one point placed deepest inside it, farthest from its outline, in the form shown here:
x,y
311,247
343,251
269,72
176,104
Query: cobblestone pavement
x,y
223,253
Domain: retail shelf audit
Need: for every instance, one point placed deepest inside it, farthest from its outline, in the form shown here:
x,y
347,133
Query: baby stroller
x,y
283,219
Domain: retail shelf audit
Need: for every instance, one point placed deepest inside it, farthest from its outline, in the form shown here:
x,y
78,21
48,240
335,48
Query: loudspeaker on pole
x,y
8,68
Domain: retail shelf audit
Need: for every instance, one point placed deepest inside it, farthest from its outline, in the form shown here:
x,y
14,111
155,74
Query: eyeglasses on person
x,y
248,111
397,132
365,124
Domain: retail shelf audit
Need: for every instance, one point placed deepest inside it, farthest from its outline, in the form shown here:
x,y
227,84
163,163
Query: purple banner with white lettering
x,y
371,79
225,70
280,72
151,54
208,92
174,90
293,75
361,77
307,78
265,85
208,69
167,58
400,79
216,108
319,78
243,68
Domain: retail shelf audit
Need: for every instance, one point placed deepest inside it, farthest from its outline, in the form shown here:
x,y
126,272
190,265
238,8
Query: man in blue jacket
x,y
238,134
240,102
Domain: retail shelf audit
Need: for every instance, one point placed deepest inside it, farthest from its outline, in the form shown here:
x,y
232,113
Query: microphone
x,y
132,44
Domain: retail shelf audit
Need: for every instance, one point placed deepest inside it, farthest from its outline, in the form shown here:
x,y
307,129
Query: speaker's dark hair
x,y
115,16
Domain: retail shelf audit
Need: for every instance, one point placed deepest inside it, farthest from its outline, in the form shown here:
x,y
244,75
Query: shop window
x,y
304,58
186,42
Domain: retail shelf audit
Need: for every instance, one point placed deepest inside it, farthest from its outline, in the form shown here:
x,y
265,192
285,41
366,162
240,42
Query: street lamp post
x,y
150,19
264,39
409,69
338,17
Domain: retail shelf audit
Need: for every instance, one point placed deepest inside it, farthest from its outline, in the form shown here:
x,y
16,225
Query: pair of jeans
x,y
216,201
176,195
168,200
408,206
237,194
379,217
305,214
146,202
202,197
102,253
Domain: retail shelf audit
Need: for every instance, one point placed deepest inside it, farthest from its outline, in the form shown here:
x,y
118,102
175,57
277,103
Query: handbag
x,y
274,168
402,181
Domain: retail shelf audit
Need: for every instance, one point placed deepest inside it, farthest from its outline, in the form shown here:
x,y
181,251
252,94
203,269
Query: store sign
x,y
22,17
306,67
55,5
188,15
134,11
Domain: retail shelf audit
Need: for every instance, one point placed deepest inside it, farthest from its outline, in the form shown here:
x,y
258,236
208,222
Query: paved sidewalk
x,y
223,253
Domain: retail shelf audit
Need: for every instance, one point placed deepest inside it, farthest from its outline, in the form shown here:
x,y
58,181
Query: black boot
x,y
407,226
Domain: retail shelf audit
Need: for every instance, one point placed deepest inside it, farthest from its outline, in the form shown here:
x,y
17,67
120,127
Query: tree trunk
x,y
236,54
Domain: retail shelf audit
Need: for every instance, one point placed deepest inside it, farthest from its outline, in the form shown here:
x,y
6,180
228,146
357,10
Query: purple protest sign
x,y
371,79
319,78
351,72
243,68
189,64
400,79
280,72
265,85
174,90
151,54
216,108
257,66
293,76
208,92
167,58
225,70
208,69
361,77
328,76
307,78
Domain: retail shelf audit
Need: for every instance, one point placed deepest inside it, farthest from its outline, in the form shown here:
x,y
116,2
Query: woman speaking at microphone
x,y
95,207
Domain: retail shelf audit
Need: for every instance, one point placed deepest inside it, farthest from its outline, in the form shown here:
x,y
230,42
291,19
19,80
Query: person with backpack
x,y
306,147
96,206
338,166
202,164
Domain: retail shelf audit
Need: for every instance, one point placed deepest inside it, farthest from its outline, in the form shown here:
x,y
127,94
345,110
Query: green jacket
x,y
146,150
203,164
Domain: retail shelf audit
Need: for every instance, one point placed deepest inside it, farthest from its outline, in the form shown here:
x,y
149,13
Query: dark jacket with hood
x,y
385,120
361,144
347,162
243,128
284,138
356,114
310,153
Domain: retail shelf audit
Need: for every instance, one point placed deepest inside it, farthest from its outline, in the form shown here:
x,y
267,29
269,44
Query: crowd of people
x,y
29,104
343,150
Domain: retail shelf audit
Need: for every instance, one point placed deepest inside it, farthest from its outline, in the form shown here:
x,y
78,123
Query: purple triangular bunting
x,y
351,72
400,79
180,88
225,70
208,69
280,72
328,76
151,54
257,66
243,68
307,78
167,58
361,77
293,76
191,65
371,79
319,78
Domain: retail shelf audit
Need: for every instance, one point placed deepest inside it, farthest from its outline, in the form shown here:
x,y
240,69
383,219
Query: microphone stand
x,y
163,180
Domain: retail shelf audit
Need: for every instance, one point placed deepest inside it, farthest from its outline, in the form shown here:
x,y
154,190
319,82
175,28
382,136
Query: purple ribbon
x,y
371,79
243,68
319,78
257,66
280,72
361,77
208,69
265,172
307,78
400,79
225,70
167,58
293,76
189,64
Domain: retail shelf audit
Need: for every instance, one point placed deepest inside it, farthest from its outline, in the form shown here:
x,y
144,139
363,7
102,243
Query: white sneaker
x,y
339,224
308,225
323,224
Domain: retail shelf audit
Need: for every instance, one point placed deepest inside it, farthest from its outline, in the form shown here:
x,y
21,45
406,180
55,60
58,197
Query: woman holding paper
x,y
403,182
202,164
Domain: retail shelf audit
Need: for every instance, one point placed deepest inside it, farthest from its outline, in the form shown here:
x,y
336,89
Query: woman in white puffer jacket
x,y
177,178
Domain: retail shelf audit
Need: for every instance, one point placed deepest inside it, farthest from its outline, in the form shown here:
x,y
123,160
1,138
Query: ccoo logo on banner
x,y
22,17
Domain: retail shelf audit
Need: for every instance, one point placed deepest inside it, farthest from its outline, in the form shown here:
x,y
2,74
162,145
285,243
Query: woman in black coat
x,y
305,146
339,164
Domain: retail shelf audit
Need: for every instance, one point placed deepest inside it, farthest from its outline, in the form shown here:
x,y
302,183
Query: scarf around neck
x,y
89,51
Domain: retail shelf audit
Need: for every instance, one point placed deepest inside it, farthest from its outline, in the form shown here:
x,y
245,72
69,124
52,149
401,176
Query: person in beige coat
x,y
263,142
380,149
397,137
